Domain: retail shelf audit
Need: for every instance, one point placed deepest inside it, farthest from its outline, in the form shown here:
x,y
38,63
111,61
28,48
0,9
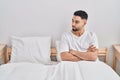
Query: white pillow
x,y
31,49
57,45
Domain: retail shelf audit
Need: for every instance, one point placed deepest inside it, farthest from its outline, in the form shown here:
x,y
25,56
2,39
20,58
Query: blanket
x,y
65,70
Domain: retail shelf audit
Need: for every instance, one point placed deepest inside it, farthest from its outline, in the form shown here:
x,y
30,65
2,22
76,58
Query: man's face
x,y
78,23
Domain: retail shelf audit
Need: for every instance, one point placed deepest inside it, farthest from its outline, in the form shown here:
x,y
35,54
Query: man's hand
x,y
91,49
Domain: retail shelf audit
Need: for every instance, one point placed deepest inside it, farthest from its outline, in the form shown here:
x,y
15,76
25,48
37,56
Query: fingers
x,y
92,48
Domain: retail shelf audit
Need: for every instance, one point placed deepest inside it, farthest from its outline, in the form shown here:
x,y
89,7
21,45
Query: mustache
x,y
74,29
73,26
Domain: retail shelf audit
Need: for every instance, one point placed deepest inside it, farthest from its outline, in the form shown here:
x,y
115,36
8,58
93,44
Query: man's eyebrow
x,y
75,20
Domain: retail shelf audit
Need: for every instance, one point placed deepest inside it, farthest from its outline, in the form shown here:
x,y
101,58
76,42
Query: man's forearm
x,y
90,56
66,56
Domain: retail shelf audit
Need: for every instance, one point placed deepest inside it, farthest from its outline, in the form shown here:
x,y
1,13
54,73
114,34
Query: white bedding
x,y
82,70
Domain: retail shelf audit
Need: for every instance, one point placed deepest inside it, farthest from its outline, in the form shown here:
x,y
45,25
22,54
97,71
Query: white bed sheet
x,y
82,70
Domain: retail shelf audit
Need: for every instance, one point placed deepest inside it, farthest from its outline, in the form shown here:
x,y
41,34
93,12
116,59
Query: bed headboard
x,y
102,52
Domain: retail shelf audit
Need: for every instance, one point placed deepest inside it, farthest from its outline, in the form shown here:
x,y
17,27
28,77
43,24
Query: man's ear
x,y
85,21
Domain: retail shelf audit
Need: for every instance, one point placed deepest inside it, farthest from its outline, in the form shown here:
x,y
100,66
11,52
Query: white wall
x,y
53,17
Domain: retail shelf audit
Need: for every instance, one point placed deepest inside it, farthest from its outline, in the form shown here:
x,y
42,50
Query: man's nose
x,y
73,24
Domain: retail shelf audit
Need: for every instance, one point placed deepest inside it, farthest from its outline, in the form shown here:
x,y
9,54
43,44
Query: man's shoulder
x,y
90,33
66,33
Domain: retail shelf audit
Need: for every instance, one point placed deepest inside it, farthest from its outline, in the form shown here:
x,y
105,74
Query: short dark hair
x,y
81,13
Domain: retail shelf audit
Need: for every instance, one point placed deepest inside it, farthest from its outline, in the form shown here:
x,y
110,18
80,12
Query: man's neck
x,y
78,33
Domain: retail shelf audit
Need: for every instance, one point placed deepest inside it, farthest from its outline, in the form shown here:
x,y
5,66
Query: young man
x,y
79,44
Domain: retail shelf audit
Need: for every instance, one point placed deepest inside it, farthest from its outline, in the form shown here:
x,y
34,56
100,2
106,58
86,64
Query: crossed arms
x,y
74,55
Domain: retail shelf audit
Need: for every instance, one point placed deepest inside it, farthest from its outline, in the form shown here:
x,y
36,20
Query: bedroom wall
x,y
53,17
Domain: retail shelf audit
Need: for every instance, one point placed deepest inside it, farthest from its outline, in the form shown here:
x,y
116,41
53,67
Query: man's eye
x,y
76,22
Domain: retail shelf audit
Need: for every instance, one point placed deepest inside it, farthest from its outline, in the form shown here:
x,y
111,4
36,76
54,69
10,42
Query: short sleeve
x,y
64,46
94,40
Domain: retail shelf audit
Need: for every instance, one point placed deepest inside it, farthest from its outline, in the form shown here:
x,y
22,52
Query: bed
x,y
25,69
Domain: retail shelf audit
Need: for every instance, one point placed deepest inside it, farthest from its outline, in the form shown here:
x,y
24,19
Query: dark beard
x,y
75,30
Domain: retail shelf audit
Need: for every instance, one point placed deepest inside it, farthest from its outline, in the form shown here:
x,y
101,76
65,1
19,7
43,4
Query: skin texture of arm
x,y
74,55
66,56
90,55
